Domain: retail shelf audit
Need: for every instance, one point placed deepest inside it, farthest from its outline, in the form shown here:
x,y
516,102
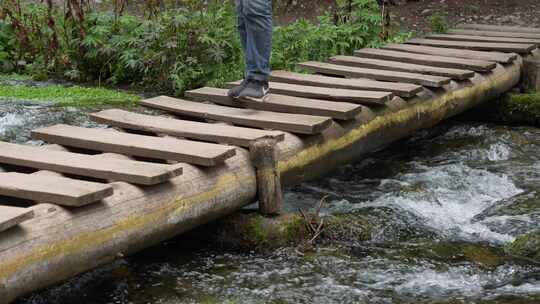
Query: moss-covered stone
x,y
253,231
347,228
511,108
527,245
457,252
484,256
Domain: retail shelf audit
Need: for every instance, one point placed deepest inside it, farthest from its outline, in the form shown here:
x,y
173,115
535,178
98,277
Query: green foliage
x,y
7,49
174,51
74,96
439,23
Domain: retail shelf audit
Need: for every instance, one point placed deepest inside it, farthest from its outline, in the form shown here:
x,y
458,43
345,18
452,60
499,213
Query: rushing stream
x,y
460,187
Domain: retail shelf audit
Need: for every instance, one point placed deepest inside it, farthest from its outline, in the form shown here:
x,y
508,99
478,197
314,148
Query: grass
x,y
16,77
69,96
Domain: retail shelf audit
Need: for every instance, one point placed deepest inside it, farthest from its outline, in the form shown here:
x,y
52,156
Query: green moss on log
x,y
527,245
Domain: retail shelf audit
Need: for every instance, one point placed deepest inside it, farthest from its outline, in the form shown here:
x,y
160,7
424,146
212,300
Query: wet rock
x,y
251,231
527,246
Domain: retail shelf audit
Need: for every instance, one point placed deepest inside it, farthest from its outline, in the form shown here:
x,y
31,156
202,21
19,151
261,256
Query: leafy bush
x,y
439,23
171,52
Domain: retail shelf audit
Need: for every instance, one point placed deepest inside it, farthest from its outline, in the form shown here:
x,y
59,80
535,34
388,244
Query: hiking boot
x,y
235,91
255,89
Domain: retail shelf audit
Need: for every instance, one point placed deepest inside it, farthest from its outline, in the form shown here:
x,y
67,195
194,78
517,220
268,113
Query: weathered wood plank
x,y
295,123
457,74
51,189
448,52
432,60
500,28
334,94
280,103
495,34
400,89
237,136
479,46
192,152
354,72
483,38
87,165
13,216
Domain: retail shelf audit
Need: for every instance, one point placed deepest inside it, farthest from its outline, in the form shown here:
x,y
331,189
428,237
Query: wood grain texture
x,y
450,52
399,89
13,216
296,123
500,28
483,38
354,72
457,74
280,103
494,34
192,152
479,46
57,190
335,94
87,165
432,60
226,134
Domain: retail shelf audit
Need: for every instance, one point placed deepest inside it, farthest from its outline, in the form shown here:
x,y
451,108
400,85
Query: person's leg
x,y
258,19
242,31
255,28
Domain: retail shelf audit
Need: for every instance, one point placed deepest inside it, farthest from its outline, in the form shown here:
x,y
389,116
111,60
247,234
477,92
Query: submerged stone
x,y
527,245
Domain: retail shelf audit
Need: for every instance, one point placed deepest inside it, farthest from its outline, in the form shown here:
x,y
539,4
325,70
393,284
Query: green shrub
x,y
439,23
171,52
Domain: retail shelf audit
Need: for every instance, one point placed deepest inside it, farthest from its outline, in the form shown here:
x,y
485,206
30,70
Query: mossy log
x,y
59,242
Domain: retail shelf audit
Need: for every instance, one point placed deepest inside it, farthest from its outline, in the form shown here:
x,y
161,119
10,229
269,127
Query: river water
x,y
442,205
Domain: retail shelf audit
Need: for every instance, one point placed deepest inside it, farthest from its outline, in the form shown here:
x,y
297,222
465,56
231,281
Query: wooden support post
x,y
264,158
531,74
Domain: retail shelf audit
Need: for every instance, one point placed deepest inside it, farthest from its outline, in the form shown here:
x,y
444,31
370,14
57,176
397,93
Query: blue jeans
x,y
255,28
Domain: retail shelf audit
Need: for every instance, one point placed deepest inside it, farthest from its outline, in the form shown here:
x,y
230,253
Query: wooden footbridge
x,y
92,195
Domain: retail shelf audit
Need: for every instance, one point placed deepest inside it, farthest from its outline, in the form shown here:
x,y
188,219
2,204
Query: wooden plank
x,y
87,165
432,60
52,189
238,136
400,89
495,34
457,74
354,72
448,52
483,38
479,46
344,95
192,152
295,123
13,216
280,103
500,28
